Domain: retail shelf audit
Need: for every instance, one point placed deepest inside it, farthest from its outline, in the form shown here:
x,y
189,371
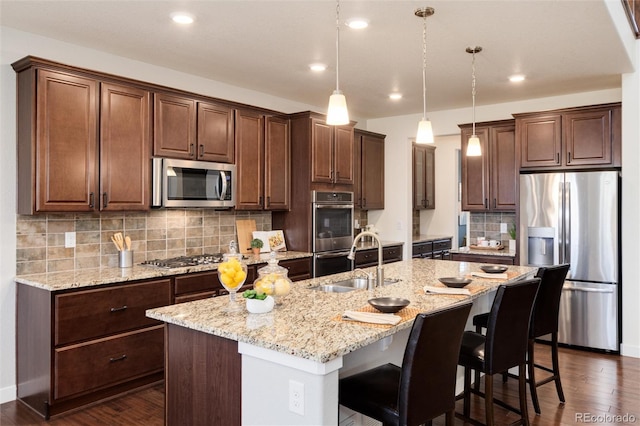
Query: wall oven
x,y
332,232
189,183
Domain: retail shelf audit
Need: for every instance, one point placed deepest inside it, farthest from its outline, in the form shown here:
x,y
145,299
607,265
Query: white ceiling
x,y
563,46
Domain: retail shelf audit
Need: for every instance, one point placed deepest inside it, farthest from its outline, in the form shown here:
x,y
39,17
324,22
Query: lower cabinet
x,y
369,257
80,346
479,258
433,249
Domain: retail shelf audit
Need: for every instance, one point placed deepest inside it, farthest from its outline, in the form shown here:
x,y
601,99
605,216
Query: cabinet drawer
x,y
90,314
298,268
366,258
422,249
478,258
196,283
195,296
392,254
441,245
109,361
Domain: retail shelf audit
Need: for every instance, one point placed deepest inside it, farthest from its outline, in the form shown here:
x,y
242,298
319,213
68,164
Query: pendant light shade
x,y
425,131
473,144
337,113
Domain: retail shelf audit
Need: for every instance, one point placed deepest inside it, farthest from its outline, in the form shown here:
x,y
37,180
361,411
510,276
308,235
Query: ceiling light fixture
x,y
357,23
425,131
473,145
395,96
182,18
337,113
317,67
516,78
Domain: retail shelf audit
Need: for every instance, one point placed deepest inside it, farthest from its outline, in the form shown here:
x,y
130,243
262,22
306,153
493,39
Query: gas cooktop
x,y
182,261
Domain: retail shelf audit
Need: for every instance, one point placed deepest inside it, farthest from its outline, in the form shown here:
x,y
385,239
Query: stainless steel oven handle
x,y
334,206
587,290
332,255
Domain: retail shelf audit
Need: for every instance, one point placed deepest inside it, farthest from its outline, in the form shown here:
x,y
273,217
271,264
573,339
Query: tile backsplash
x,y
488,225
155,234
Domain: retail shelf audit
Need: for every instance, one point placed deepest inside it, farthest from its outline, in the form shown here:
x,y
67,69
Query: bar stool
x,y
544,320
424,388
503,347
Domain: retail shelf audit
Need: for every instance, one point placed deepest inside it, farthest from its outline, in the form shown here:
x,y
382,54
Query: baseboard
x,y
630,350
8,394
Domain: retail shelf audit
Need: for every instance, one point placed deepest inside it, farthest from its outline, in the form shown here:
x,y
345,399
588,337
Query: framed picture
x,y
271,240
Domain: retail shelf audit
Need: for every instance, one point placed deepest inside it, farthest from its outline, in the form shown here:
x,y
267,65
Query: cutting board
x,y
245,229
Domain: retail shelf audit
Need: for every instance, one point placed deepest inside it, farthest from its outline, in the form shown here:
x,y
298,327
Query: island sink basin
x,y
349,284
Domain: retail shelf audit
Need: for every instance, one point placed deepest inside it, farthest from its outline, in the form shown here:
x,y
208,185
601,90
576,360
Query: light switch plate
x,y
503,228
69,239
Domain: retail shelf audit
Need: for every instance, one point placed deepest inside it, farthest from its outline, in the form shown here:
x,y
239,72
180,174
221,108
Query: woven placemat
x,y
474,287
405,314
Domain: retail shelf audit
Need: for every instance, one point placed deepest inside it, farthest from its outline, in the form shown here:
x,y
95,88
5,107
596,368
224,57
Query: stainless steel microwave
x,y
189,183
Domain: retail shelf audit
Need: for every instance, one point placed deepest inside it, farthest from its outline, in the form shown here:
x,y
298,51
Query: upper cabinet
x,y
263,168
489,182
326,153
369,185
424,180
584,137
192,130
83,144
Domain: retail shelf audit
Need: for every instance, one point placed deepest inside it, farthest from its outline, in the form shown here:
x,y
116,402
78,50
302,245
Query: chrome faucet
x,y
352,254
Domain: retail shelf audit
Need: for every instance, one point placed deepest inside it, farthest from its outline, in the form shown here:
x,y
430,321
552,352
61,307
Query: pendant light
x,y
473,145
425,131
337,113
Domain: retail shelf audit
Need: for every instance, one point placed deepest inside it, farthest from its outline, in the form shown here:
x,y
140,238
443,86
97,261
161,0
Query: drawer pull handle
x,y
120,358
121,308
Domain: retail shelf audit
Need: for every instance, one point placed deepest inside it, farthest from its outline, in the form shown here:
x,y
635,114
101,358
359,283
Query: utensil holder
x,y
125,258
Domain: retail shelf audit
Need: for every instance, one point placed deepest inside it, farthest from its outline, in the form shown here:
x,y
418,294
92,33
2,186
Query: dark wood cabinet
x,y
479,258
369,183
79,346
369,257
332,152
424,181
489,181
432,249
583,137
263,167
83,144
125,148
189,129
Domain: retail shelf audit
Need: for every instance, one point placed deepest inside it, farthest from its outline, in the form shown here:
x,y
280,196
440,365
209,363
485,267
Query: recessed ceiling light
x,y
395,96
317,67
357,23
182,18
516,78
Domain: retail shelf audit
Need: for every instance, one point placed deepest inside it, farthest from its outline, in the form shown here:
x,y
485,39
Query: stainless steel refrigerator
x,y
574,218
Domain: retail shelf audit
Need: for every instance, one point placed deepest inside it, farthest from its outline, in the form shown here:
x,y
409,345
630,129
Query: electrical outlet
x,y
69,239
296,397
503,228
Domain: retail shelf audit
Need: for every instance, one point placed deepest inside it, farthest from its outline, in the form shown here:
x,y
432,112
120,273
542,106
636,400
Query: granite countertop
x,y
422,238
55,281
308,324
467,250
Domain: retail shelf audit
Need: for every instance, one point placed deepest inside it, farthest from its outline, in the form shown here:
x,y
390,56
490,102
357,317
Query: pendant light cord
x,y
337,45
424,68
473,89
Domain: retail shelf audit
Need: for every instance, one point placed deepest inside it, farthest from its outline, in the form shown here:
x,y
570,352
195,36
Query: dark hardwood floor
x,y
594,385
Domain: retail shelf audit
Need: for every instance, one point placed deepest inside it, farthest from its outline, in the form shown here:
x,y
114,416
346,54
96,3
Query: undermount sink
x,y
349,284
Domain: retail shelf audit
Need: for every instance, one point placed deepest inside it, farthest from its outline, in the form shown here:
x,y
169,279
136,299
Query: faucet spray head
x,y
352,252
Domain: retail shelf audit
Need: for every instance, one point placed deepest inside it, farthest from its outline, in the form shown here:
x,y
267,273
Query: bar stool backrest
x,y
547,304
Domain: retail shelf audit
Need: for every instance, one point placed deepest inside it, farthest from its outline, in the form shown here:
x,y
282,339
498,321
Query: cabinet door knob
x,y
495,203
105,200
486,204
201,150
119,358
568,157
191,150
91,200
558,158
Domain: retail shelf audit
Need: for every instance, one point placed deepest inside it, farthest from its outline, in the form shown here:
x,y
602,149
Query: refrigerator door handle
x,y
567,223
560,232
588,290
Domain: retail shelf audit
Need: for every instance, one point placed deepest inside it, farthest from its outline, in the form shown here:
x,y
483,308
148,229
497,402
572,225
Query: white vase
x,y
512,245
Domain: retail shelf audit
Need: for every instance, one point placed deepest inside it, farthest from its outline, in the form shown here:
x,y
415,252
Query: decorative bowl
x,y
388,305
455,282
257,306
493,269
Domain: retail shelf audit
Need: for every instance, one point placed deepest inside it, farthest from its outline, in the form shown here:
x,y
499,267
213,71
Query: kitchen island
x,y
250,368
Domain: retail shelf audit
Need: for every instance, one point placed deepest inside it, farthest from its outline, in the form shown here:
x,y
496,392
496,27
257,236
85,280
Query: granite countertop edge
x,y
500,253
81,278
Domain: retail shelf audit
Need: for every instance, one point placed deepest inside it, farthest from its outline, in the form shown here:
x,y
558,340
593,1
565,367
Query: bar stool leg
x,y
533,385
522,387
556,368
466,408
488,398
449,416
